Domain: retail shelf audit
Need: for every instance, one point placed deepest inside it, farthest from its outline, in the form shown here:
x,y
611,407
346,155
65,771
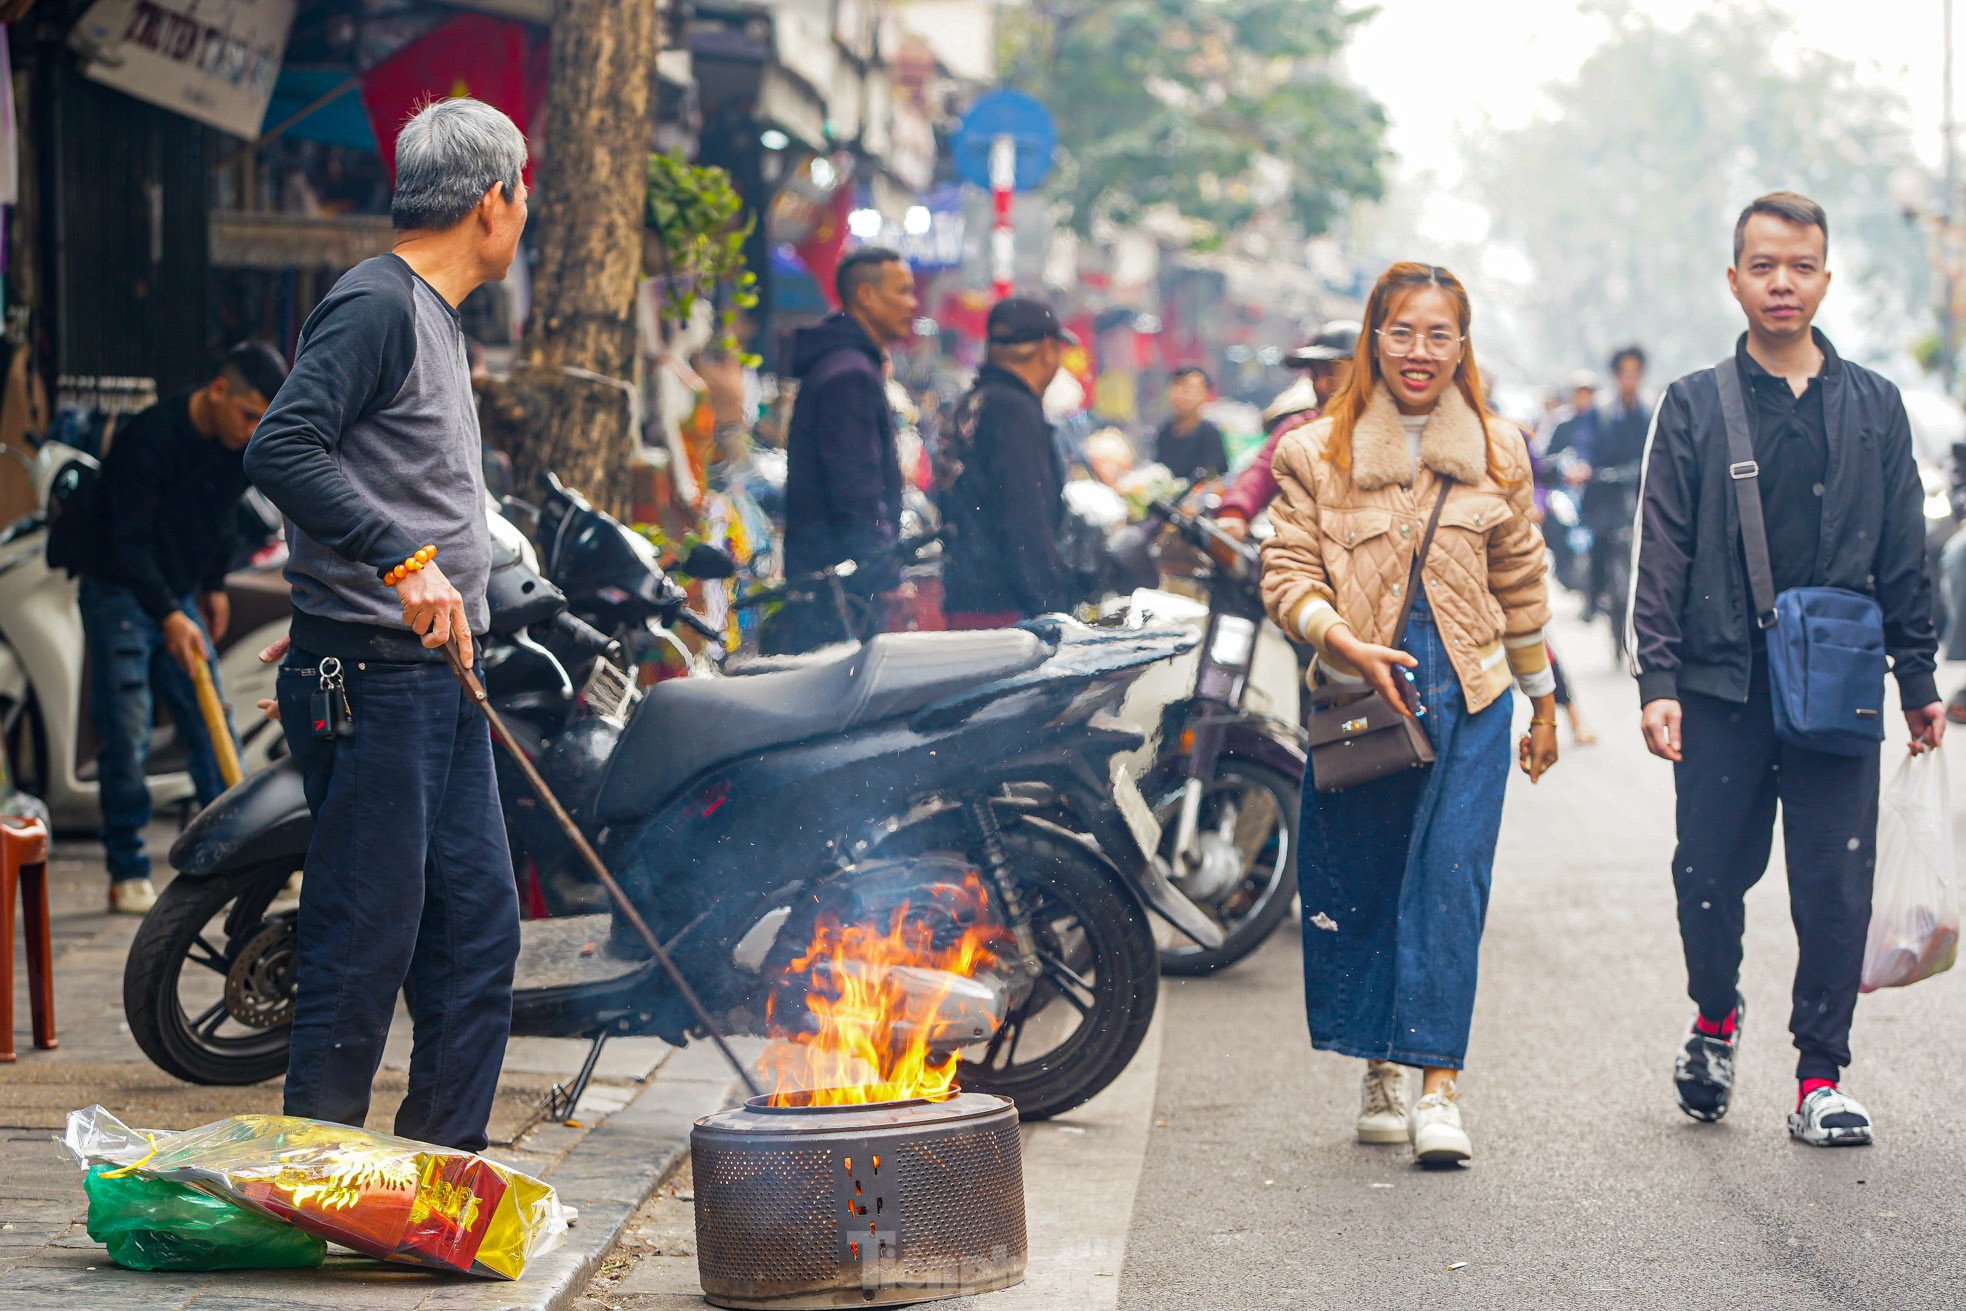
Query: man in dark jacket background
x,y
1609,454
1840,493
152,551
1001,485
843,475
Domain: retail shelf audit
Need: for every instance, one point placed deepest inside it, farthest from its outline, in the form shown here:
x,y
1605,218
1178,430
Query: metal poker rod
x,y
476,691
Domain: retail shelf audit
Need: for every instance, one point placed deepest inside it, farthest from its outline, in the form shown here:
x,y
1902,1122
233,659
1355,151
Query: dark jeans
x,y
1734,772
129,672
409,888
1394,877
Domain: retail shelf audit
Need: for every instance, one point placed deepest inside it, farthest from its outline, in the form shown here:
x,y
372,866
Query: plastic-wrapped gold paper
x,y
387,1197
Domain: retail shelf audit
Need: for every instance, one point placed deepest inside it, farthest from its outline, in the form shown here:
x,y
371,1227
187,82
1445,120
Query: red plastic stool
x,y
24,863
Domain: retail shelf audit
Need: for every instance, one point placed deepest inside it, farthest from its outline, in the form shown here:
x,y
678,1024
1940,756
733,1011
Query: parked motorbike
x,y
44,723
735,812
1227,789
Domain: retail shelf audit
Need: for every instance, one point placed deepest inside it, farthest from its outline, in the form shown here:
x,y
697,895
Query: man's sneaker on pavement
x,y
1704,1072
1830,1117
131,897
1382,1104
1438,1138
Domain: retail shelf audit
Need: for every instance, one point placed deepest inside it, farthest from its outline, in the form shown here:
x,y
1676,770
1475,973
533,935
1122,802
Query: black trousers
x,y
409,889
1734,772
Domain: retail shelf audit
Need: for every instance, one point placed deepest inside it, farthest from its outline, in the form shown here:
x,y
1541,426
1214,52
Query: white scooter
x,y
43,688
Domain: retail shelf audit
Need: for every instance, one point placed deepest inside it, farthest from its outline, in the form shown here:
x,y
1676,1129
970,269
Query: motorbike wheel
x,y
1088,1013
1267,810
208,987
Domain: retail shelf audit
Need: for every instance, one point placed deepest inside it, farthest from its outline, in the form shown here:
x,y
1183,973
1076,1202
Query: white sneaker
x,y
1382,1104
1830,1117
131,897
1438,1138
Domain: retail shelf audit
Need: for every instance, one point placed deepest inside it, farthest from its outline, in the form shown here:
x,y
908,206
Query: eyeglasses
x,y
1403,342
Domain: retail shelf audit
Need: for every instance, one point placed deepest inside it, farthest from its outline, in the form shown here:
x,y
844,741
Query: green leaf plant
x,y
698,228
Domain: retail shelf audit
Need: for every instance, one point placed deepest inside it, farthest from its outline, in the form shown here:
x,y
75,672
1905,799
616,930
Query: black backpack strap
x,y
1747,490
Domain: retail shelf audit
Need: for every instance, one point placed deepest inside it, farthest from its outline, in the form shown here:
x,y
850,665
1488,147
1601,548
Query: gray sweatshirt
x,y
371,450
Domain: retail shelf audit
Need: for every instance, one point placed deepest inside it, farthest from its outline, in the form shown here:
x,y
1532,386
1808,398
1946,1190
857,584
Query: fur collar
x,y
1454,443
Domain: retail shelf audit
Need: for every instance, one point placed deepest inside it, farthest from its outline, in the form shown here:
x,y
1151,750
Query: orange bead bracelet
x,y
409,566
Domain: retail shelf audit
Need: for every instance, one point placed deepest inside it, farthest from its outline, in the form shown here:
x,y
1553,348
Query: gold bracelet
x,y
1543,723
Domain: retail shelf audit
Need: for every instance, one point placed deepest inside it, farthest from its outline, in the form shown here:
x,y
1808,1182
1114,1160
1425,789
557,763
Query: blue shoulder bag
x,y
1825,644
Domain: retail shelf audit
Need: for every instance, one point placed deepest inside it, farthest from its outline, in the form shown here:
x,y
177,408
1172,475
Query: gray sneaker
x,y
1704,1072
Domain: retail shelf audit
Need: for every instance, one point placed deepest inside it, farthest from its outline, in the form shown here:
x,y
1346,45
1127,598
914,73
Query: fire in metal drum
x,y
870,1205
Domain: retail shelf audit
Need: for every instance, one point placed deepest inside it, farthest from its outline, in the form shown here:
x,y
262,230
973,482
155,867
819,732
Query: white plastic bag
x,y
1914,910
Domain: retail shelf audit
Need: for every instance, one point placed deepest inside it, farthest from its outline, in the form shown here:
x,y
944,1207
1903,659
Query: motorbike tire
x,y
1250,931
1056,870
164,946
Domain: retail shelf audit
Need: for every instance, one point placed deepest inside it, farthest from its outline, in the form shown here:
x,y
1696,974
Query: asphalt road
x,y
1588,1188
1220,1172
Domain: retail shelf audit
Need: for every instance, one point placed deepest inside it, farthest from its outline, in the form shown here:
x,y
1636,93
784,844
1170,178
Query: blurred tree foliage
x,y
1222,108
1623,194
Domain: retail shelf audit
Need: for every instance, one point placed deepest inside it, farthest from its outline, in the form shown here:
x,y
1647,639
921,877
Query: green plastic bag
x,y
153,1224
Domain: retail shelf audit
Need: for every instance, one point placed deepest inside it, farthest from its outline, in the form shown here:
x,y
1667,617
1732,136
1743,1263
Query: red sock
x,y
1809,1086
1716,1028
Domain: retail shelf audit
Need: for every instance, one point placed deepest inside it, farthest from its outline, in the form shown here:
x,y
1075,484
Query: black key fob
x,y
323,714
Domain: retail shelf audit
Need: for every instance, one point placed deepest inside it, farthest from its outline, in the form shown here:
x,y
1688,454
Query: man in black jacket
x,y
843,475
1840,494
153,552
1001,482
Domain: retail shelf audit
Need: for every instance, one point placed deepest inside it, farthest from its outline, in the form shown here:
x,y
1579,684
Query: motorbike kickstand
x,y
562,1099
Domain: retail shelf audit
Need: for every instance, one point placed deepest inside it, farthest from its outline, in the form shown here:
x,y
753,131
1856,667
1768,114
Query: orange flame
x,y
873,1008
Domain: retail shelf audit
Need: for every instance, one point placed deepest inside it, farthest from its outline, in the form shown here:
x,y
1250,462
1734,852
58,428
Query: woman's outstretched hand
x,y
1378,665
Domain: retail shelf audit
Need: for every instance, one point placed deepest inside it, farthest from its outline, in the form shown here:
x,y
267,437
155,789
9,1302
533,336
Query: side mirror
x,y
705,561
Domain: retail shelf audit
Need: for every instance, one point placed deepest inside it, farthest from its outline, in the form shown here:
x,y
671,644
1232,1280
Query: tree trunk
x,y
569,404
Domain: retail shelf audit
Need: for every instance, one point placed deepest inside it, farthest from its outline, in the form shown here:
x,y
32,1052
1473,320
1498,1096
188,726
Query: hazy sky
x,y
1488,61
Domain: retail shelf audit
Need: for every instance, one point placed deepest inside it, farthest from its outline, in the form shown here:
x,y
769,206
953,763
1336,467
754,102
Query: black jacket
x,y
843,477
161,513
1004,500
1690,627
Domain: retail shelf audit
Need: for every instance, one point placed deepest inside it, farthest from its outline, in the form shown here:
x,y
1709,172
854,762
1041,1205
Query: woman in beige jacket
x,y
1394,874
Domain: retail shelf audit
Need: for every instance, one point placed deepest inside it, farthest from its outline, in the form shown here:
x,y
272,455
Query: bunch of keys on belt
x,y
328,710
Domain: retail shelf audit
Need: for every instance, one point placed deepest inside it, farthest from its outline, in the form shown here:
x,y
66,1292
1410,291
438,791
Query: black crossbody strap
x,y
1420,558
1745,473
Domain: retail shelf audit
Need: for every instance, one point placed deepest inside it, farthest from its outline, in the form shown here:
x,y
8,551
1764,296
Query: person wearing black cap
x,y
1000,483
1327,362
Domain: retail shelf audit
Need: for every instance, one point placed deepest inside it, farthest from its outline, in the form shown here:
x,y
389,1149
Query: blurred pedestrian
x,y
152,545
371,449
1188,444
1326,362
843,481
1608,463
1394,873
1839,494
1001,483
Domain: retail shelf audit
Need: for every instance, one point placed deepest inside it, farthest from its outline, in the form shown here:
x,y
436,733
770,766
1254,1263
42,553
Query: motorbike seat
x,y
687,726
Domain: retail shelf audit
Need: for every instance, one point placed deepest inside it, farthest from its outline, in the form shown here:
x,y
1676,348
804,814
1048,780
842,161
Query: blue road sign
x,y
1015,115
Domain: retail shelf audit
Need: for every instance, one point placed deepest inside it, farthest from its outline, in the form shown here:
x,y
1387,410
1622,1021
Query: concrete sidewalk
x,y
628,1132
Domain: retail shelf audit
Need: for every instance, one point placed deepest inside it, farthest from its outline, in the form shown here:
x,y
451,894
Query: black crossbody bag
x,y
1359,736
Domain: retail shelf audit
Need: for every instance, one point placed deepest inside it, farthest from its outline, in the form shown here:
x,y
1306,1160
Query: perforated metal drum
x,y
816,1206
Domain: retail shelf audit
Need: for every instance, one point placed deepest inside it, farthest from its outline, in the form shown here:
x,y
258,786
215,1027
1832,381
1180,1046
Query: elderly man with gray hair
x,y
371,450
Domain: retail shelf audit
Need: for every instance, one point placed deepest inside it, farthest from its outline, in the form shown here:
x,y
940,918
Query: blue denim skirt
x,y
1394,878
